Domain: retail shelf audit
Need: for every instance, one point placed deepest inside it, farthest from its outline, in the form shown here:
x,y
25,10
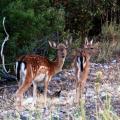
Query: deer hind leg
x,y
22,89
26,83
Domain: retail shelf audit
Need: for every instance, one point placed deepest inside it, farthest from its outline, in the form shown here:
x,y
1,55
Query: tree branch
x,y
2,47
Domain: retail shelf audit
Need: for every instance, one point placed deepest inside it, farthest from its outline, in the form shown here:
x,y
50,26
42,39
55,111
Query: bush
x,y
27,22
110,41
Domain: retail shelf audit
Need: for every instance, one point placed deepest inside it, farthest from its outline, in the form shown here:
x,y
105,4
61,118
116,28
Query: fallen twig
x,y
2,47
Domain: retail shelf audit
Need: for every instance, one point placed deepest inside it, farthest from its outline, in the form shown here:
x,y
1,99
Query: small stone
x,y
90,93
106,66
28,100
118,89
114,61
56,78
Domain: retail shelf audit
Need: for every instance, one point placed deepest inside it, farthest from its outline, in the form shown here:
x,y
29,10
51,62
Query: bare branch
x,y
2,47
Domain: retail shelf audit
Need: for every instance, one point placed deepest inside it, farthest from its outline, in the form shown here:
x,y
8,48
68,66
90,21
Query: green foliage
x,y
27,21
81,15
31,23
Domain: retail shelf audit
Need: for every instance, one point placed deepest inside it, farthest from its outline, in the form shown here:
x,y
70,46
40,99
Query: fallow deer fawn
x,y
31,69
82,64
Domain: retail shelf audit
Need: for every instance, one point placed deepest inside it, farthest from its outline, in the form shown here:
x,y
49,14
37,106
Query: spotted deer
x,y
82,65
31,69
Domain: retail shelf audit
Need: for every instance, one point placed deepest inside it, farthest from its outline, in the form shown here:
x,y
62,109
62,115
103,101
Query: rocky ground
x,y
102,85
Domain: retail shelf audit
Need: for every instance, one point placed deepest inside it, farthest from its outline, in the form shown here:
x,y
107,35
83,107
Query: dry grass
x,y
110,41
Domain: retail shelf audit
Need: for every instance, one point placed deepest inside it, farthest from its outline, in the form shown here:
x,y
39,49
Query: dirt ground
x,y
103,83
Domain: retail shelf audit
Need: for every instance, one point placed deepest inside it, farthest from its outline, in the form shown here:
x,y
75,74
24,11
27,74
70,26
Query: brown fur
x,y
82,76
37,65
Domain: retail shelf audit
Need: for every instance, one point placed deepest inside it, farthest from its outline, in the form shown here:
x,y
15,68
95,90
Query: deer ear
x,y
91,42
86,41
68,42
52,44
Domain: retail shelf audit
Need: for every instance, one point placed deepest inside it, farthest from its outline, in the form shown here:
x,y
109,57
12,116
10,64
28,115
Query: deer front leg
x,y
83,82
45,92
34,94
82,86
80,89
19,94
77,86
77,93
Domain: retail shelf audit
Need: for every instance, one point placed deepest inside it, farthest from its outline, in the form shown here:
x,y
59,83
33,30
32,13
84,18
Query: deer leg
x,y
77,86
80,90
34,93
83,82
19,94
82,86
77,93
45,92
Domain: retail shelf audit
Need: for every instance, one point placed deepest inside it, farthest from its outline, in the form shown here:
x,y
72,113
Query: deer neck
x,y
87,66
86,63
57,64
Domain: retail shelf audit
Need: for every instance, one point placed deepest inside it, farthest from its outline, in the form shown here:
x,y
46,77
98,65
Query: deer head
x,y
91,47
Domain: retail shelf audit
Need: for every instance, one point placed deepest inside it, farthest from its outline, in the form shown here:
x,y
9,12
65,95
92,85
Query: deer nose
x,y
63,55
